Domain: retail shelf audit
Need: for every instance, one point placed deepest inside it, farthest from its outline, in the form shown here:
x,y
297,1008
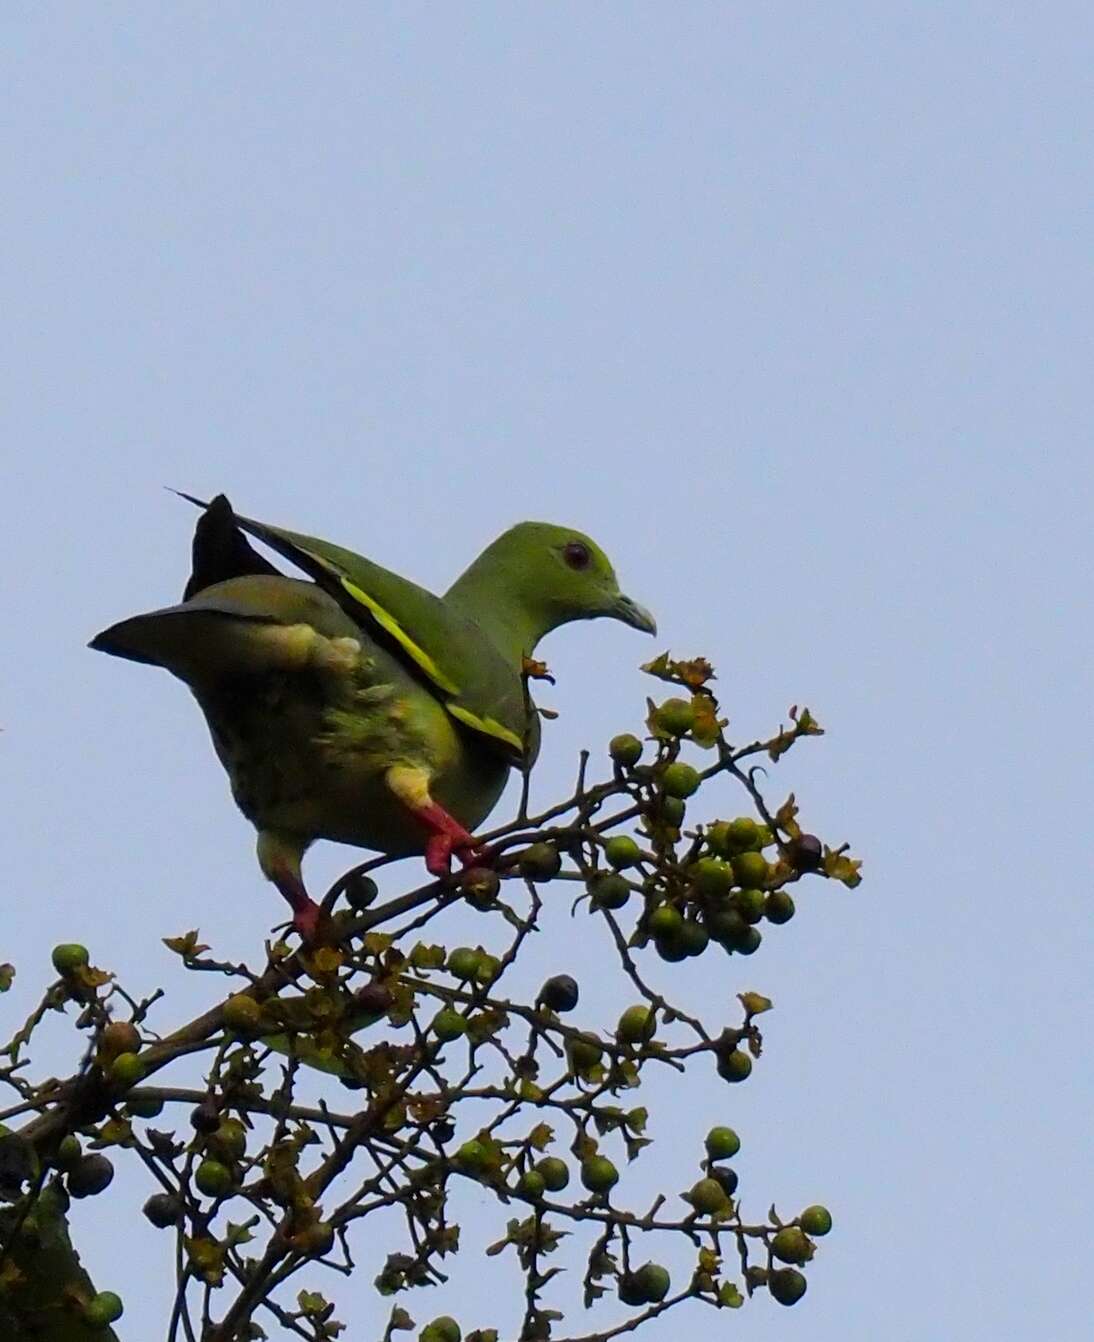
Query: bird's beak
x,y
630,612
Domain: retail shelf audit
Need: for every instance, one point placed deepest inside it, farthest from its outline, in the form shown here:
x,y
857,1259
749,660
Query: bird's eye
x,y
576,554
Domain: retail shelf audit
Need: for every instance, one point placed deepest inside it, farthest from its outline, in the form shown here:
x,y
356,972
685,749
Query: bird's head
x,y
552,575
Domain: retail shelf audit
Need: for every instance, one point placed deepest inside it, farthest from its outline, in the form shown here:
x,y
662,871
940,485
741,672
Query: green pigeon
x,y
358,706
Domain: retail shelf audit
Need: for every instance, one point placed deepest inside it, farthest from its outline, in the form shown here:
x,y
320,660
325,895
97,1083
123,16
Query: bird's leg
x,y
279,858
446,835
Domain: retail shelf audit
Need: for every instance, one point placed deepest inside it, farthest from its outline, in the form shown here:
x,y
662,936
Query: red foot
x,y
448,837
305,920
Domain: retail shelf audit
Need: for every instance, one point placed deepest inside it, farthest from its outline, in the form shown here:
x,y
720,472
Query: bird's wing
x,y
446,650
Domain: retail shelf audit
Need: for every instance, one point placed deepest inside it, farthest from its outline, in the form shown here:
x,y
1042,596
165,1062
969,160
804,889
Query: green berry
x,y
750,869
734,1065
230,1139
69,1152
463,962
679,779
636,1025
787,1285
559,993
242,1014
90,1175
750,904
472,1157
126,1069
531,1184
144,1106
670,811
489,965
717,837
743,833
539,862
665,921
653,1281
722,1143
598,1174
554,1173
625,749
671,949
622,851
707,1196
676,717
314,1240
585,1052
69,956
694,938
163,1210
609,891
791,1245
749,942
630,1292
816,1220
779,907
103,1309
712,876
448,1024
361,891
213,1178
726,926
442,1329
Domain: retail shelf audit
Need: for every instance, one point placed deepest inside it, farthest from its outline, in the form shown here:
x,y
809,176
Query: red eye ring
x,y
576,554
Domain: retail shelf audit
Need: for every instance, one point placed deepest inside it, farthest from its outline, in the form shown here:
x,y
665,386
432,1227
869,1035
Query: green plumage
x,y
360,707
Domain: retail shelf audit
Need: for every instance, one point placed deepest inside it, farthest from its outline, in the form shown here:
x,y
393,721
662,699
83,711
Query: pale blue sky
x,y
789,305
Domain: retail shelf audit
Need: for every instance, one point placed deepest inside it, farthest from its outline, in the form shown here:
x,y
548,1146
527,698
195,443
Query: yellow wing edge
x,y
486,725
397,632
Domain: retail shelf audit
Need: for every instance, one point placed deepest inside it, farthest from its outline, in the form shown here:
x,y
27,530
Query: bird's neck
x,y
513,623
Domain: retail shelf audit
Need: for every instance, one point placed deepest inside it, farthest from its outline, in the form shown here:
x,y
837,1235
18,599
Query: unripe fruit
x,y
816,1220
585,1051
679,779
727,1177
750,869
622,851
734,1065
653,1281
791,1245
448,1025
726,926
722,1143
69,1152
69,956
213,1178
559,993
103,1309
442,1329
749,942
694,937
242,1014
163,1210
787,1285
779,907
531,1184
670,811
120,1036
539,862
665,921
712,876
488,968
361,890
718,840
630,1292
707,1196
598,1174
672,949
675,716
126,1069
144,1106
375,997
808,852
230,1139
609,891
554,1172
463,962
750,904
480,887
636,1025
625,749
743,833
471,1156
90,1175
